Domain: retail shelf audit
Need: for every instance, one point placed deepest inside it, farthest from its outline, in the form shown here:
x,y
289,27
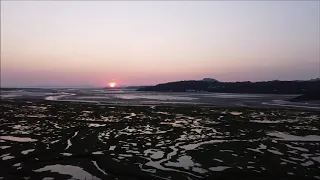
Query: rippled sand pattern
x,y
45,139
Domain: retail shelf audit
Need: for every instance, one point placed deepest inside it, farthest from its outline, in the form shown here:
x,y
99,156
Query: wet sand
x,y
63,140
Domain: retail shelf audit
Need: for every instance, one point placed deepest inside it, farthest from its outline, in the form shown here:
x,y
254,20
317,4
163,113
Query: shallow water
x,y
96,125
123,96
27,151
66,154
74,171
156,97
96,165
4,147
288,137
219,168
236,113
17,139
69,140
5,157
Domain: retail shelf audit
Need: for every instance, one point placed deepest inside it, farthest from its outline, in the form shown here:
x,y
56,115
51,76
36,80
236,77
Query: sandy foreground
x,y
62,140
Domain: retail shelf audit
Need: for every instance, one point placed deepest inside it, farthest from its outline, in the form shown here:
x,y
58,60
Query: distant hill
x,y
210,80
316,79
135,87
265,87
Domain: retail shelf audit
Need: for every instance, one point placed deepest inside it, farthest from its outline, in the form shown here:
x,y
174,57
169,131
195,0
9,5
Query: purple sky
x,y
145,43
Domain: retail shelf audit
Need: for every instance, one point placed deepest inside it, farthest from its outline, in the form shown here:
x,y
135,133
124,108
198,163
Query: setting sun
x,y
112,84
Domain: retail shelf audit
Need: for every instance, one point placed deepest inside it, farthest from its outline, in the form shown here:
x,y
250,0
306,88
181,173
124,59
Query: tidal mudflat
x,y
72,140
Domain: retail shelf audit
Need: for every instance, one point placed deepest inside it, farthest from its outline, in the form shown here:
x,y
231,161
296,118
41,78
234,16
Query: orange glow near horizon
x,y
112,84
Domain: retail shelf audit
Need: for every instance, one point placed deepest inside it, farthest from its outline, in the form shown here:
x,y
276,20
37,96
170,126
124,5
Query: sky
x,y
150,42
